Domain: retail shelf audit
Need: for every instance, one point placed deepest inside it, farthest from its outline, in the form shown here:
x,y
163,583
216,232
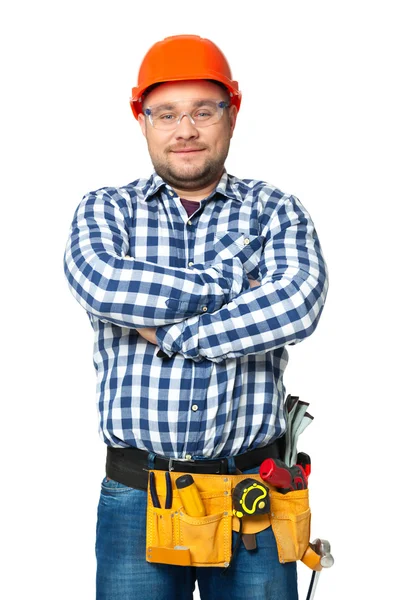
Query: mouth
x,y
188,150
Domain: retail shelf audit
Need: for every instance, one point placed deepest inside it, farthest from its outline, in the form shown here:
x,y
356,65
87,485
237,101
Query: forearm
x,y
285,309
132,293
257,321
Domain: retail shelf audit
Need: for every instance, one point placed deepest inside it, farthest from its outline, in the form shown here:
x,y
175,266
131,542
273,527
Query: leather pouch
x,y
174,537
290,520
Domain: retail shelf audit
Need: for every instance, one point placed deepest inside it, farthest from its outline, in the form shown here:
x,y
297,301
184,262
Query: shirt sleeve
x,y
283,310
122,290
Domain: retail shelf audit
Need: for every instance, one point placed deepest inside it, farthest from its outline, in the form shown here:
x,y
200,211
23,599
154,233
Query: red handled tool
x,y
304,461
285,479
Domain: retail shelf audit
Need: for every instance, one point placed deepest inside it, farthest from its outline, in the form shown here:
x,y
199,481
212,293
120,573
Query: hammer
x,y
323,549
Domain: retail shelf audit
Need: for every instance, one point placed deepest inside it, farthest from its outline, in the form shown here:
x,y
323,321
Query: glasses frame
x,y
221,104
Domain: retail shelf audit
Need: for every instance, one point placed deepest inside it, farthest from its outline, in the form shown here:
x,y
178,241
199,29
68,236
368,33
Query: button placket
x,y
190,238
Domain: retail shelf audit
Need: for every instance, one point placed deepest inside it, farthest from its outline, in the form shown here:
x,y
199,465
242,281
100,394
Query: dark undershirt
x,y
189,205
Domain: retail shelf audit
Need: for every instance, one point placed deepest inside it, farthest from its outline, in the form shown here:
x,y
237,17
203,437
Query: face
x,y
189,157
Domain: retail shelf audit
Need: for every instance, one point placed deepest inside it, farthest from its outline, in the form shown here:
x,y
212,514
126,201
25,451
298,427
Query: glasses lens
x,y
202,113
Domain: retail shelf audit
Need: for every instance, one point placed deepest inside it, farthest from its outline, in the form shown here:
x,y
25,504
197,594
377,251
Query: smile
x,y
187,151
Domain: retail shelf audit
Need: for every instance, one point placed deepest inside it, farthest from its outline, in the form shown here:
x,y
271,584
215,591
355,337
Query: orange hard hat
x,y
182,58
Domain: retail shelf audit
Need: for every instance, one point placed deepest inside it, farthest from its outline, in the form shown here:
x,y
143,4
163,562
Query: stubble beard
x,y
190,177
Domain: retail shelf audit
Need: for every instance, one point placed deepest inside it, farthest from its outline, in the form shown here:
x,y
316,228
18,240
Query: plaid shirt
x,y
135,259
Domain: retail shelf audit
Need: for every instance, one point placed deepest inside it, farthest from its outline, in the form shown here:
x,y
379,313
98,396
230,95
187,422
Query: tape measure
x,y
250,497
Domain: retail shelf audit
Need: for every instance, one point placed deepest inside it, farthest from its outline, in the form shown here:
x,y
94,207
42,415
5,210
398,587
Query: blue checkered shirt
x,y
135,259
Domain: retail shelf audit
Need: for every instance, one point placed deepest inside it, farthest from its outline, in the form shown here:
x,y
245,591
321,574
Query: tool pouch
x,y
174,537
290,520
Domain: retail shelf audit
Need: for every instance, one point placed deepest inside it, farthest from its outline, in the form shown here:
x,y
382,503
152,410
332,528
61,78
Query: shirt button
x,y
246,241
188,456
204,309
195,407
191,264
189,222
171,193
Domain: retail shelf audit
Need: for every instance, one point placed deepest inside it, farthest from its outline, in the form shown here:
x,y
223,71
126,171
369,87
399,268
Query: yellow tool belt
x,y
173,537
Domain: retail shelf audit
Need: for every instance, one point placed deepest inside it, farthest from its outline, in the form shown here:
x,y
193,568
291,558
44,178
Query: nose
x,y
185,129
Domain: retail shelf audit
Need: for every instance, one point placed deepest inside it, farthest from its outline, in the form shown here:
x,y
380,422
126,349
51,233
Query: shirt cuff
x,y
233,272
169,338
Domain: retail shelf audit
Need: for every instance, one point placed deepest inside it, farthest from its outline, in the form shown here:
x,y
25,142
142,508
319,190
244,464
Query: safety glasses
x,y
200,112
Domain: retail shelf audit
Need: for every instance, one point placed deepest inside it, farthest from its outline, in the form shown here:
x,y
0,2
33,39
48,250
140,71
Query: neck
x,y
197,195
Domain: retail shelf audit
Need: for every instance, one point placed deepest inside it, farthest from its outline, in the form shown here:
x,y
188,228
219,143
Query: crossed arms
x,y
201,313
150,333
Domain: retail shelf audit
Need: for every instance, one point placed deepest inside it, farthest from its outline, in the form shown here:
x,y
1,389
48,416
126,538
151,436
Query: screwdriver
x,y
190,496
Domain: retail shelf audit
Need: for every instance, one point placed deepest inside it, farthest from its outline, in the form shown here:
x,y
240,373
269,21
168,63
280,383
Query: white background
x,y
319,119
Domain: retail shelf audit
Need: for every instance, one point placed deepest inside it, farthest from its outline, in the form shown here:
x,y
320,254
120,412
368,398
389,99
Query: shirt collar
x,y
224,187
152,186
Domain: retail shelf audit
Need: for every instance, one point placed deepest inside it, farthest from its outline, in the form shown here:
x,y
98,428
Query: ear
x,y
142,123
232,119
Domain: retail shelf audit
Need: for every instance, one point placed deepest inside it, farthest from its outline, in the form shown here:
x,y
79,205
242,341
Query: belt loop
x,y
231,465
150,460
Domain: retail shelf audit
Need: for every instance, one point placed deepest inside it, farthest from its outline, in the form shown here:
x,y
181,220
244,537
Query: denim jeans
x,y
124,574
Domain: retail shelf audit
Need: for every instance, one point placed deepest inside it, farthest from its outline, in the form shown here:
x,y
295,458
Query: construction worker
x,y
194,282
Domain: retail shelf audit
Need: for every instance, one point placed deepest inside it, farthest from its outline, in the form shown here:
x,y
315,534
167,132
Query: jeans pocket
x,y
109,486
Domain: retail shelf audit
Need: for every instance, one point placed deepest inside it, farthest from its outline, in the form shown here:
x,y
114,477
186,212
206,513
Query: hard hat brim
x,y
232,88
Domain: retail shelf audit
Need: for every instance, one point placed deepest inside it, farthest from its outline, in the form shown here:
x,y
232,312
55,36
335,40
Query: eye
x,y
202,114
166,117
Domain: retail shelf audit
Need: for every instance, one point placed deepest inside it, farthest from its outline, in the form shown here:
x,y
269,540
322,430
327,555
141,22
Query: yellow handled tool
x,y
190,496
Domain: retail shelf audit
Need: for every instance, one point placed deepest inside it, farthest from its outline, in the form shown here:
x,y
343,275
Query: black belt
x,y
130,465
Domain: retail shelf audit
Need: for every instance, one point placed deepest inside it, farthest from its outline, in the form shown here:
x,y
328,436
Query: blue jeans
x,y
124,574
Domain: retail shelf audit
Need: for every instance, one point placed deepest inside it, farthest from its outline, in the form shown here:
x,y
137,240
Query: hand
x,y
253,282
149,334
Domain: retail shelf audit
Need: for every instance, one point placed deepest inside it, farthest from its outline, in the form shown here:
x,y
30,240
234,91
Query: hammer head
x,y
323,548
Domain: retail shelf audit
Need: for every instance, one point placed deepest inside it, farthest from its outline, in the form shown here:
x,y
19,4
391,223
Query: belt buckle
x,y
222,467
171,462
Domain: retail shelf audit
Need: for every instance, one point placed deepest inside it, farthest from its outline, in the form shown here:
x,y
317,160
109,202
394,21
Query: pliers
x,y
153,491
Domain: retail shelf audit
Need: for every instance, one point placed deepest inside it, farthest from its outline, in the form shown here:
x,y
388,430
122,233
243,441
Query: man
x,y
194,282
